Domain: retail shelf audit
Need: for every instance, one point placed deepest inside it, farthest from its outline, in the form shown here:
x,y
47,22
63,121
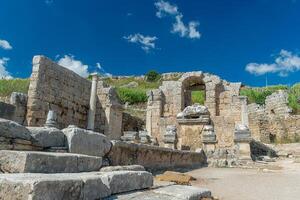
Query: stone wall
x,y
153,157
59,89
273,122
66,93
14,108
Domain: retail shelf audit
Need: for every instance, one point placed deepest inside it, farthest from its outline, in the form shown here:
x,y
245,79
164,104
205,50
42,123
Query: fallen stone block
x,y
11,129
47,162
122,168
47,137
177,177
76,186
86,142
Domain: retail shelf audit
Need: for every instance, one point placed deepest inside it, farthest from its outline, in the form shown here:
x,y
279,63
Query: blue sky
x,y
243,40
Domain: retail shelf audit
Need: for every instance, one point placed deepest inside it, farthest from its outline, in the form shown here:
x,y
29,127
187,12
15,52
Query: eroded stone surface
x,y
48,137
93,185
46,162
122,168
11,129
86,142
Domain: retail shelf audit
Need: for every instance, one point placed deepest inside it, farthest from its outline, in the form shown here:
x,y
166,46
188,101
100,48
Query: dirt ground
x,y
275,181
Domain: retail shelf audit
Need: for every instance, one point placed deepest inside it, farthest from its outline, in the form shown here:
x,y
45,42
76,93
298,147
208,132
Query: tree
x,y
152,76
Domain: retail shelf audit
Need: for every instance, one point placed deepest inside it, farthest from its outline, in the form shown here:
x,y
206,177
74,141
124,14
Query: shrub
x,y
132,95
294,95
152,76
13,85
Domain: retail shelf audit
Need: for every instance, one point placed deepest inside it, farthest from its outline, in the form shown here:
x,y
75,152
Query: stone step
x,y
72,186
169,192
47,162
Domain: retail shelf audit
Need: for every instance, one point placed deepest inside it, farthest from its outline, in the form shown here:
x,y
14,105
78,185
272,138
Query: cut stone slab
x,y
86,142
171,192
92,185
48,137
47,162
123,168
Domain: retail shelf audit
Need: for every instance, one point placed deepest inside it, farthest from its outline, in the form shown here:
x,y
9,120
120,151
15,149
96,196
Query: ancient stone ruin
x,y
68,138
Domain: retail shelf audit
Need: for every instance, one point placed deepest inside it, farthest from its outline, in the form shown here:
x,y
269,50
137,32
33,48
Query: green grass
x,y
13,85
132,95
198,97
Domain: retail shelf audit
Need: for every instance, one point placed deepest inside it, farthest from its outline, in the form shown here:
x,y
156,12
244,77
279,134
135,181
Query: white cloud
x,y
69,61
286,62
98,65
3,73
146,42
5,45
164,8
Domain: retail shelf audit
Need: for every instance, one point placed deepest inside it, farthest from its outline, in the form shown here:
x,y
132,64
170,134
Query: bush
x,y
198,97
13,85
152,76
294,95
132,95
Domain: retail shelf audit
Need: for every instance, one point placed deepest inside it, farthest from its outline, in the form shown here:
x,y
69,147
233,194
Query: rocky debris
x,y
131,84
260,149
48,137
145,138
177,177
266,159
194,111
76,186
47,162
123,168
86,142
130,136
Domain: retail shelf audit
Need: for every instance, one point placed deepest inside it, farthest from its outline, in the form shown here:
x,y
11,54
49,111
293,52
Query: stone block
x,y
11,129
123,168
78,186
47,162
86,142
48,137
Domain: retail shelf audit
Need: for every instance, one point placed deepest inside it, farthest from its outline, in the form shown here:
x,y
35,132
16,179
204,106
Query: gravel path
x,y
252,184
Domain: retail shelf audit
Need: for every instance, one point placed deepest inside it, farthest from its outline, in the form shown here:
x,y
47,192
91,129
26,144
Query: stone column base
x,y
244,152
170,145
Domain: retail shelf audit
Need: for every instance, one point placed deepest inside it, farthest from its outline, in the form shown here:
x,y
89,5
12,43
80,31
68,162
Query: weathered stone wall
x,y
132,123
273,121
153,157
66,93
59,89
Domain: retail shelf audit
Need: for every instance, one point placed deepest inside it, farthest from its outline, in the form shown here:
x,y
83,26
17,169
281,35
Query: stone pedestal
x,y
170,138
209,139
242,139
51,121
144,137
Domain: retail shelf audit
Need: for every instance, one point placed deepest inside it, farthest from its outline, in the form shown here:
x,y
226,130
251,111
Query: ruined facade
x,y
273,122
222,101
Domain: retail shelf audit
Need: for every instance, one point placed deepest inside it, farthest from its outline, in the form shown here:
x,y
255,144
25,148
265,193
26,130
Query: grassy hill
x,y
137,95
